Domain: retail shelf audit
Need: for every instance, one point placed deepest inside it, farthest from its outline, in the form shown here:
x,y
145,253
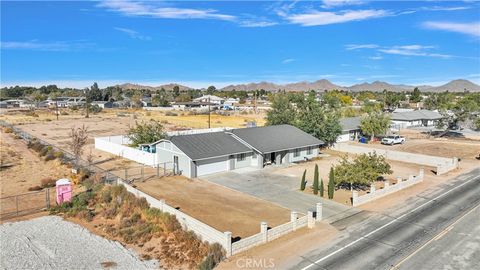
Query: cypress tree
x,y
303,183
321,188
315,180
331,184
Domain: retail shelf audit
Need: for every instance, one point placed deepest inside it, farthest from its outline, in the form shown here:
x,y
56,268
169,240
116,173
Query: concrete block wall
x,y
206,232
442,164
388,189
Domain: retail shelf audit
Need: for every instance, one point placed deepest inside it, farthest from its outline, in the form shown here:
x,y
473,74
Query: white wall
x,y
303,154
212,165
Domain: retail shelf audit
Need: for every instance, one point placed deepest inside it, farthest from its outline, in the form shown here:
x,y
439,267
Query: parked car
x,y
395,139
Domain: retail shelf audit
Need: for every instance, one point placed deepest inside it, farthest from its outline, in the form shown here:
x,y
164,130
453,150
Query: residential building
x,y
211,99
350,129
200,154
416,118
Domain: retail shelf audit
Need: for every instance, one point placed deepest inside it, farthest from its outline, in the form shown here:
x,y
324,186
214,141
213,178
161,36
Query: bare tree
x,y
90,157
78,140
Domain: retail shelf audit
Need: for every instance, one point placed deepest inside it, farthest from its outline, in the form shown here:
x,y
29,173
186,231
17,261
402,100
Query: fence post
x,y
386,184
354,197
310,220
319,211
228,243
293,218
162,204
264,231
158,169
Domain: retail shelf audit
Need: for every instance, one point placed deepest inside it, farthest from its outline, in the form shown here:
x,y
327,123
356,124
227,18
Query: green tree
x,y
176,91
303,183
146,132
331,183
211,90
321,187
374,124
321,123
282,111
315,180
94,93
416,95
363,170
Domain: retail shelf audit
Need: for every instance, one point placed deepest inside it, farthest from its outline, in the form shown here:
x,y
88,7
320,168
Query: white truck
x,y
394,139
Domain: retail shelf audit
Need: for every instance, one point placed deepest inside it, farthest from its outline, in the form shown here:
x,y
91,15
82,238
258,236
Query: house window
x,y
241,157
309,151
296,153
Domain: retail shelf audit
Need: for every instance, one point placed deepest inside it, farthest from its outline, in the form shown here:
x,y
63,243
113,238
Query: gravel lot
x,y
53,243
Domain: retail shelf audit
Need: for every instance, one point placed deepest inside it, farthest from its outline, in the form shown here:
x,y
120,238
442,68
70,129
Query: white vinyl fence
x,y
388,189
118,145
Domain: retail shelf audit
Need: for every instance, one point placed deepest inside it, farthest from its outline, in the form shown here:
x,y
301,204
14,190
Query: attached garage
x,y
213,165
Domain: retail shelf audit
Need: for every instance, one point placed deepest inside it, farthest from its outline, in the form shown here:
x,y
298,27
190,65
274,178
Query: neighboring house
x,y
417,118
211,99
200,154
194,106
350,129
75,101
146,102
103,104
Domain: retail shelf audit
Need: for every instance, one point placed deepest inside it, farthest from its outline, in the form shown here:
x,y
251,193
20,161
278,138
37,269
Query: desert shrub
x,y
47,182
31,113
8,130
58,154
49,156
45,150
164,122
170,113
35,188
48,120
148,113
64,113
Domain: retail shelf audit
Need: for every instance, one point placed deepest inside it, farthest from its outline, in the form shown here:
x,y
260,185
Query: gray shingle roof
x,y
416,115
276,138
208,145
350,123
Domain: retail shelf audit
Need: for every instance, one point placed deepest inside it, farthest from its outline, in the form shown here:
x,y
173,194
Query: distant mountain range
x,y
453,86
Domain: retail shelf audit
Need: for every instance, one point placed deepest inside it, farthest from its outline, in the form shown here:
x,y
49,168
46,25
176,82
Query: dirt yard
x,y
400,169
217,206
434,147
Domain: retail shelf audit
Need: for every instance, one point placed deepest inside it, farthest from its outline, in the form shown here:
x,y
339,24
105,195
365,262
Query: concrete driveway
x,y
279,189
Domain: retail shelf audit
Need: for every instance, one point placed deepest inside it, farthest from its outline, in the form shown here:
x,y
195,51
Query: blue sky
x,y
200,43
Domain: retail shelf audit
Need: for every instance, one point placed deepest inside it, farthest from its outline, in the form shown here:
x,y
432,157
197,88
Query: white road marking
x,y
386,225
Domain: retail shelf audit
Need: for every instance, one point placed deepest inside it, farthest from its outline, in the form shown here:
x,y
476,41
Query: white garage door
x,y
212,166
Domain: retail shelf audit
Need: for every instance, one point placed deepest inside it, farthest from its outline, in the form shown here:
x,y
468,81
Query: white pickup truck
x,y
391,140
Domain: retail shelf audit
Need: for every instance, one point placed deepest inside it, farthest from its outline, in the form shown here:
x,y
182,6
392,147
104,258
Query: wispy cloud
x,y
337,3
406,50
130,8
350,47
413,50
46,46
472,29
132,33
288,60
254,23
315,18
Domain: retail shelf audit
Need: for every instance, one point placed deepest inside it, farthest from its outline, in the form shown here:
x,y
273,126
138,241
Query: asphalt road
x,y
406,237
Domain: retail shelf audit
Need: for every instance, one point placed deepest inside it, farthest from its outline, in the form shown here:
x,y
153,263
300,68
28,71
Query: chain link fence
x,y
26,203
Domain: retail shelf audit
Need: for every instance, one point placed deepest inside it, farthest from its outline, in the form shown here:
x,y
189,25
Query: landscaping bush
x,y
321,188
331,183
303,183
315,180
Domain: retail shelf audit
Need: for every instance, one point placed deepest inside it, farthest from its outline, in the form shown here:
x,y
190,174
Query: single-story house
x,y
103,104
416,118
199,154
194,105
351,130
210,98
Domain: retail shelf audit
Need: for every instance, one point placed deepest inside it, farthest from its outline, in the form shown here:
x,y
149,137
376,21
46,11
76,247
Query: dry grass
x,y
121,216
